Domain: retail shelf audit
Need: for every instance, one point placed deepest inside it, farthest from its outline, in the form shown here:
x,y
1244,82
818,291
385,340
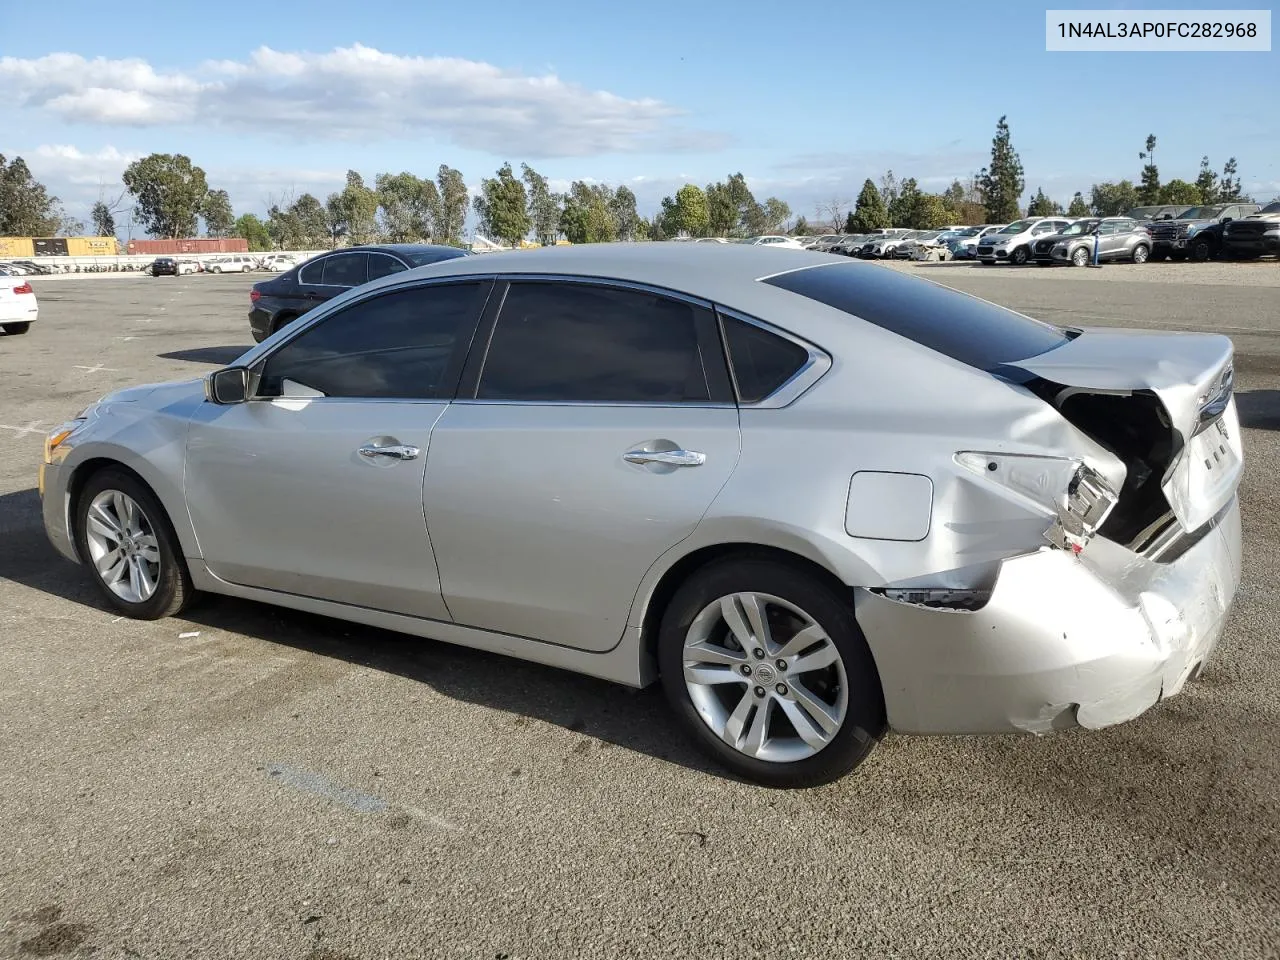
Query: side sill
x,y
624,664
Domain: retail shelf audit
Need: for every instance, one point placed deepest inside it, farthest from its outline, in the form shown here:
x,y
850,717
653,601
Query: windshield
x,y
1202,213
1080,229
1017,226
1273,207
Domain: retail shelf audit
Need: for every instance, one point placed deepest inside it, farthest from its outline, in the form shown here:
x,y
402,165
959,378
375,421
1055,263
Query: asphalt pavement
x,y
252,782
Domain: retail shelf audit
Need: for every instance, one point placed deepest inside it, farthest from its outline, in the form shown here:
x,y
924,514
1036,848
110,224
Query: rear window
x,y
954,324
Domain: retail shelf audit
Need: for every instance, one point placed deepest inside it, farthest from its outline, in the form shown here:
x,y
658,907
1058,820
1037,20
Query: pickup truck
x,y
1197,233
1255,235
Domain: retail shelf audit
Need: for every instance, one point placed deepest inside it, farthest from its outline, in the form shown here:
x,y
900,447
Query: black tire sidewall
x,y
864,721
174,585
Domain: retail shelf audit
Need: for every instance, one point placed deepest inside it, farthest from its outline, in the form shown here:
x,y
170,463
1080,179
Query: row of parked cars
x,y
227,263
1228,231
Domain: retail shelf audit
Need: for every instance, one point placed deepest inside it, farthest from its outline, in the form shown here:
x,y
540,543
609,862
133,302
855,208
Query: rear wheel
x,y
13,329
766,667
1019,256
1140,253
123,534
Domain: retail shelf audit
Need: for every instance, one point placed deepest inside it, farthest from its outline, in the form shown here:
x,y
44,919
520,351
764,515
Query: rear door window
x,y
346,270
583,343
954,324
381,265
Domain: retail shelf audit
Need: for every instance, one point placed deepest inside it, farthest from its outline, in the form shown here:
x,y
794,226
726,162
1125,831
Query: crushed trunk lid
x,y
1163,403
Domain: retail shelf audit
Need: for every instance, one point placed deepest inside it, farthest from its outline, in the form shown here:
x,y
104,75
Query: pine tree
x,y
1207,182
870,213
1002,182
1079,206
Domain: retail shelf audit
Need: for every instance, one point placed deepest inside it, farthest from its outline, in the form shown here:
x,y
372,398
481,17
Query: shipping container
x,y
197,246
93,246
16,248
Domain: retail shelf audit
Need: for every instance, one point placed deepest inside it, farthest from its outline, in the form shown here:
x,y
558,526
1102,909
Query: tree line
x,y
171,197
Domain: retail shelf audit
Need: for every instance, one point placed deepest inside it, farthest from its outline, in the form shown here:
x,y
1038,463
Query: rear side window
x,y
761,361
346,270
405,345
954,324
312,272
583,343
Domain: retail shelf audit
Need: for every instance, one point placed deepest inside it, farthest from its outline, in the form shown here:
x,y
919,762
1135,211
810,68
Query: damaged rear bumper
x,y
1089,640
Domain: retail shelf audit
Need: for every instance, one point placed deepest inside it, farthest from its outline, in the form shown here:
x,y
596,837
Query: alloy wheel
x,y
123,546
765,677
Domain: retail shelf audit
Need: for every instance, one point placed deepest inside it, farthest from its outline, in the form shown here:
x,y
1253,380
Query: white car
x,y
1014,242
18,306
711,240
241,264
770,240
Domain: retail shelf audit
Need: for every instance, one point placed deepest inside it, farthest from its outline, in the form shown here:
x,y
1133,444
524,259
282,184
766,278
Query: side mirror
x,y
1228,220
228,385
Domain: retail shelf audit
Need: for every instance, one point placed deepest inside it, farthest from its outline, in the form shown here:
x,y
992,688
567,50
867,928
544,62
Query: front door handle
x,y
395,451
674,458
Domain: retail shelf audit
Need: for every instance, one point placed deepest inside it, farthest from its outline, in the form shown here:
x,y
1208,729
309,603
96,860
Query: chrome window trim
x,y
319,261
600,281
813,369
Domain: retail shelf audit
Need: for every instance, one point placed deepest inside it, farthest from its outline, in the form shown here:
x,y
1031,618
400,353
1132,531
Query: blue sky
x,y
805,99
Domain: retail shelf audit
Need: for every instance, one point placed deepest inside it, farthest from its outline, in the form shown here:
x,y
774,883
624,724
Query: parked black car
x,y
1255,235
281,300
164,267
1197,233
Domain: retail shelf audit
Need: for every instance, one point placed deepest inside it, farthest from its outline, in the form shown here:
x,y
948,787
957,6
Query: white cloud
x,y
355,93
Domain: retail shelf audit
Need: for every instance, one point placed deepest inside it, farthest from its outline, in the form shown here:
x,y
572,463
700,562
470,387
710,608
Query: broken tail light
x,y
1074,496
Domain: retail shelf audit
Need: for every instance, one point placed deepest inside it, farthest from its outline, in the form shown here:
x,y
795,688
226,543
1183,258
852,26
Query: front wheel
x,y
768,670
1202,249
1140,253
1019,256
1080,257
14,329
123,534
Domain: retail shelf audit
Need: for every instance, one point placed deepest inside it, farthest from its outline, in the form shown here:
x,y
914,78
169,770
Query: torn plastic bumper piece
x,y
1091,638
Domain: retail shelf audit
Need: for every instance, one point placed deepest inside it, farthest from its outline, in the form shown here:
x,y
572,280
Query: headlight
x,y
1192,230
54,443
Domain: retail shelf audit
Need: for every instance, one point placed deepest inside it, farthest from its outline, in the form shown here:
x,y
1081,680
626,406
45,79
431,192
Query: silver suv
x,y
1116,238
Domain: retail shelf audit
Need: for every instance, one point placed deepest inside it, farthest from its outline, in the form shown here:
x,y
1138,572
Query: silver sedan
x,y
817,499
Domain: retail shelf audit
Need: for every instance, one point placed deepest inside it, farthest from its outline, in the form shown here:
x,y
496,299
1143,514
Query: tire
x,y
846,681
215,269
1202,249
1019,256
1080,257
16,329
1140,253
151,534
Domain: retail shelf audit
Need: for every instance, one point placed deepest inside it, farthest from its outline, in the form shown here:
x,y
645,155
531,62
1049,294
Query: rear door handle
x,y
395,451
675,458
